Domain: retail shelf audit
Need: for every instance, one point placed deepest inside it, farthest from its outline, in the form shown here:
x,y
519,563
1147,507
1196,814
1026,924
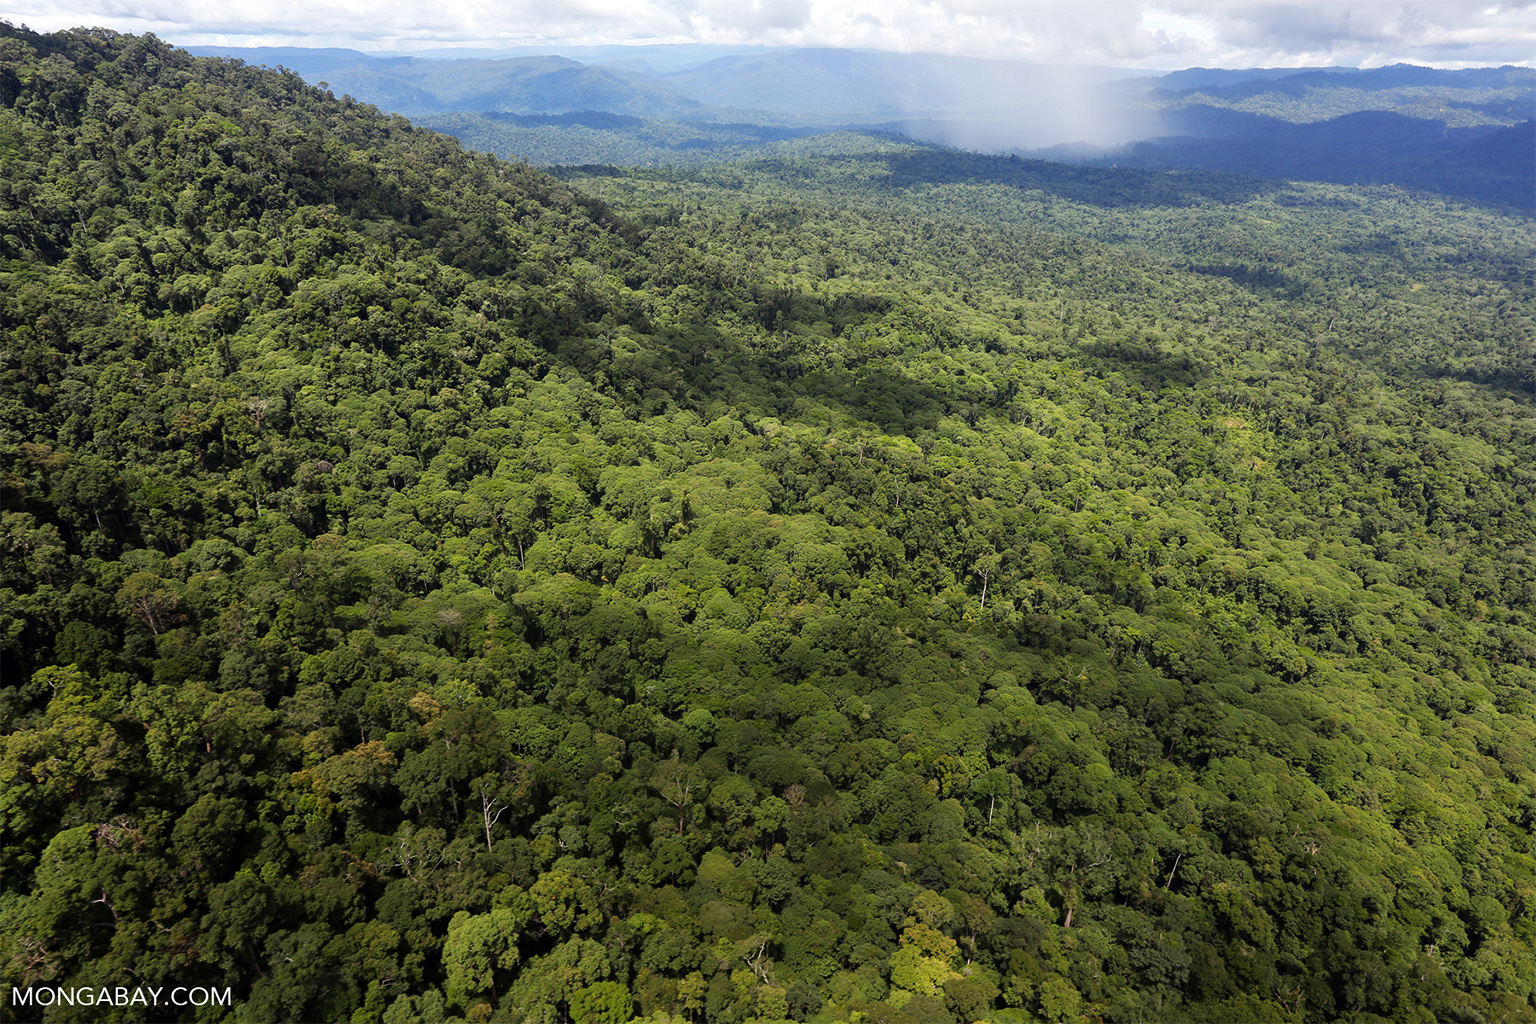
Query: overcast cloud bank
x,y
1168,34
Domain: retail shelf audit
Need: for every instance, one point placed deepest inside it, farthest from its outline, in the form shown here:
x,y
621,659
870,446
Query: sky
x,y
1166,34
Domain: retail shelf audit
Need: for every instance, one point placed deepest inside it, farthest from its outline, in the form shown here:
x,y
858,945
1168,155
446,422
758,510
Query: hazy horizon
x,y
982,104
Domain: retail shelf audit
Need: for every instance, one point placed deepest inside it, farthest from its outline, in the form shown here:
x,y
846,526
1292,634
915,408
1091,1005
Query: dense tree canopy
x,y
889,586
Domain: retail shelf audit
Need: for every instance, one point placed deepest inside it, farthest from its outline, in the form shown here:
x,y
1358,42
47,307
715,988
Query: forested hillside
x,y
889,586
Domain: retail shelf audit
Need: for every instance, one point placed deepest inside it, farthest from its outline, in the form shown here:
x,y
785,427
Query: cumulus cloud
x,y
1153,33
1373,32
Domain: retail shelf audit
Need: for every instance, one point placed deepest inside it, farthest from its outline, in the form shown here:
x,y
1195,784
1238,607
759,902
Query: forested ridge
x,y
875,586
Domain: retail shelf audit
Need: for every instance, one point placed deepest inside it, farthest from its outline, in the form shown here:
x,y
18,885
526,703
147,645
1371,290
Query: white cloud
x,y
1165,33
1376,31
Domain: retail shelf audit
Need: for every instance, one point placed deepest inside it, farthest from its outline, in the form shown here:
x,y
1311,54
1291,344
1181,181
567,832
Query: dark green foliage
x,y
920,585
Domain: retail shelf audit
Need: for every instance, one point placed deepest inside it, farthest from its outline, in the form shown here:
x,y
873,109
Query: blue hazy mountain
x,y
845,83
803,86
1458,132
1485,163
542,84
1238,83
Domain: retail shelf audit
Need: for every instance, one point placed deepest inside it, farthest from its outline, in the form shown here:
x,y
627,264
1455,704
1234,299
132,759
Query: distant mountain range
x,y
805,86
1490,164
1466,133
1250,81
544,84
